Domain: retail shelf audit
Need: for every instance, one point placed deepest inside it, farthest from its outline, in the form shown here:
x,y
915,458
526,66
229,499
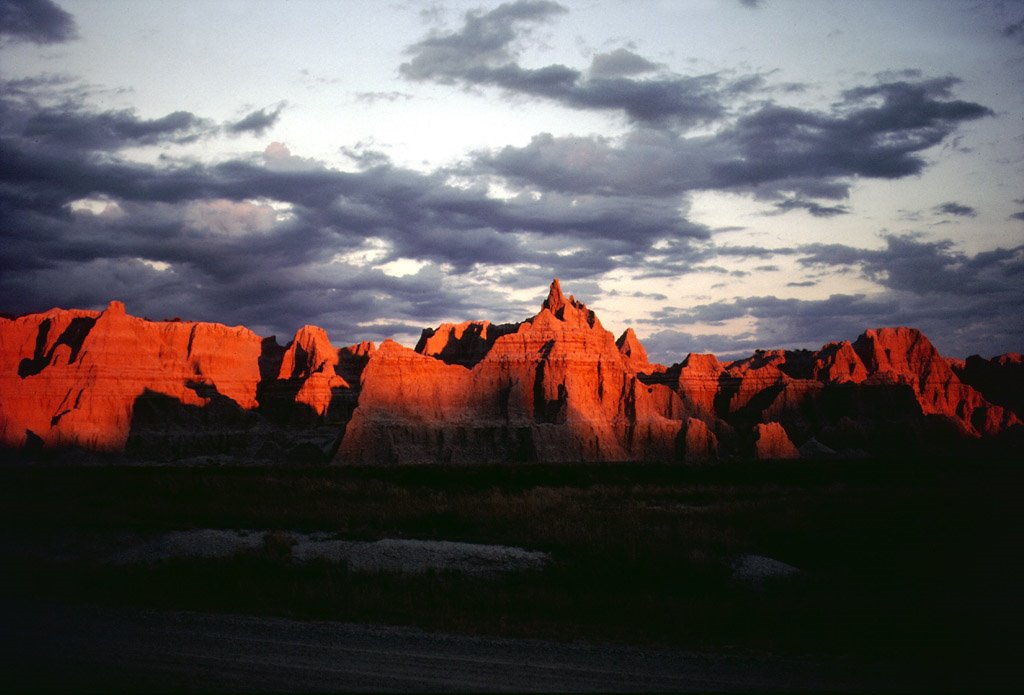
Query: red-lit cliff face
x,y
905,356
96,379
72,378
464,343
555,387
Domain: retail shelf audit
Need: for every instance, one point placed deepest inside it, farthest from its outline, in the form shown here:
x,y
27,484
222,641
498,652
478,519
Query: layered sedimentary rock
x,y
555,387
107,381
73,378
772,442
905,356
464,343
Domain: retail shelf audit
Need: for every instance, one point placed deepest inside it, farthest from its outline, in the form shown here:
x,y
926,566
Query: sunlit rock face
x,y
556,387
553,388
772,442
905,356
74,378
110,382
464,343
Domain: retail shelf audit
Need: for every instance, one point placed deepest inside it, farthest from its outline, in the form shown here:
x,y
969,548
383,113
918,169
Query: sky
x,y
721,175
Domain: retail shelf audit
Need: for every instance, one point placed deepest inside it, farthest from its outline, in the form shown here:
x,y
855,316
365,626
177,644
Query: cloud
x,y
55,111
876,131
36,21
928,268
483,53
956,210
620,63
374,97
257,122
274,239
815,209
112,129
784,153
485,39
964,303
269,238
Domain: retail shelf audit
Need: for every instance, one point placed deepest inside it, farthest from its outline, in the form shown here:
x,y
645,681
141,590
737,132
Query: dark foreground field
x,y
911,568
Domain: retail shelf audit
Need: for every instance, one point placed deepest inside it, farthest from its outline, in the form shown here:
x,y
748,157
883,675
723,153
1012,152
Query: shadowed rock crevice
x,y
464,344
73,337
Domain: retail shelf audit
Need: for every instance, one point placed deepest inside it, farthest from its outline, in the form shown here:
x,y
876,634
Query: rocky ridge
x,y
555,387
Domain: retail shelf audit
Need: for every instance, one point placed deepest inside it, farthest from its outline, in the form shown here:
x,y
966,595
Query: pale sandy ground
x,y
55,646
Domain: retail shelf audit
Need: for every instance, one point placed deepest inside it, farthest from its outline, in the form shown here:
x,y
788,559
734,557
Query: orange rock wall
x,y
556,387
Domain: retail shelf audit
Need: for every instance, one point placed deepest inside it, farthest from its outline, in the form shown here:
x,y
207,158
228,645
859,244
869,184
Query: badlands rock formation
x,y
106,381
556,387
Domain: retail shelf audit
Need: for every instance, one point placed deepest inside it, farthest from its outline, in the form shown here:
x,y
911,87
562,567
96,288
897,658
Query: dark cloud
x,y
877,131
956,210
786,322
815,209
485,39
970,325
37,21
620,63
783,153
752,4
483,53
928,268
78,129
257,122
250,239
1017,215
54,111
964,303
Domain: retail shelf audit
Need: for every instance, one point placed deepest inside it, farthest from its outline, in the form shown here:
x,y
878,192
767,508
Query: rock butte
x,y
556,387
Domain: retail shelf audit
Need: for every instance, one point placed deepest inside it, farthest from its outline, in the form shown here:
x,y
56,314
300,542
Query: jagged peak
x,y
556,300
363,348
115,308
568,310
632,350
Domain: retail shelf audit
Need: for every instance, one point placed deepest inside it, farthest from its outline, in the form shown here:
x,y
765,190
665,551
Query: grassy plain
x,y
917,562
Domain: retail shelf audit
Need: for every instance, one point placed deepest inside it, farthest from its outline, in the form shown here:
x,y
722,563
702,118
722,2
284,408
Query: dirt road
x,y
88,647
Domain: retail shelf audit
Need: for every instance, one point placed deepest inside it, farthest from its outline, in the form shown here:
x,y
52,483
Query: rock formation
x,y
999,380
110,382
553,388
556,387
772,442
